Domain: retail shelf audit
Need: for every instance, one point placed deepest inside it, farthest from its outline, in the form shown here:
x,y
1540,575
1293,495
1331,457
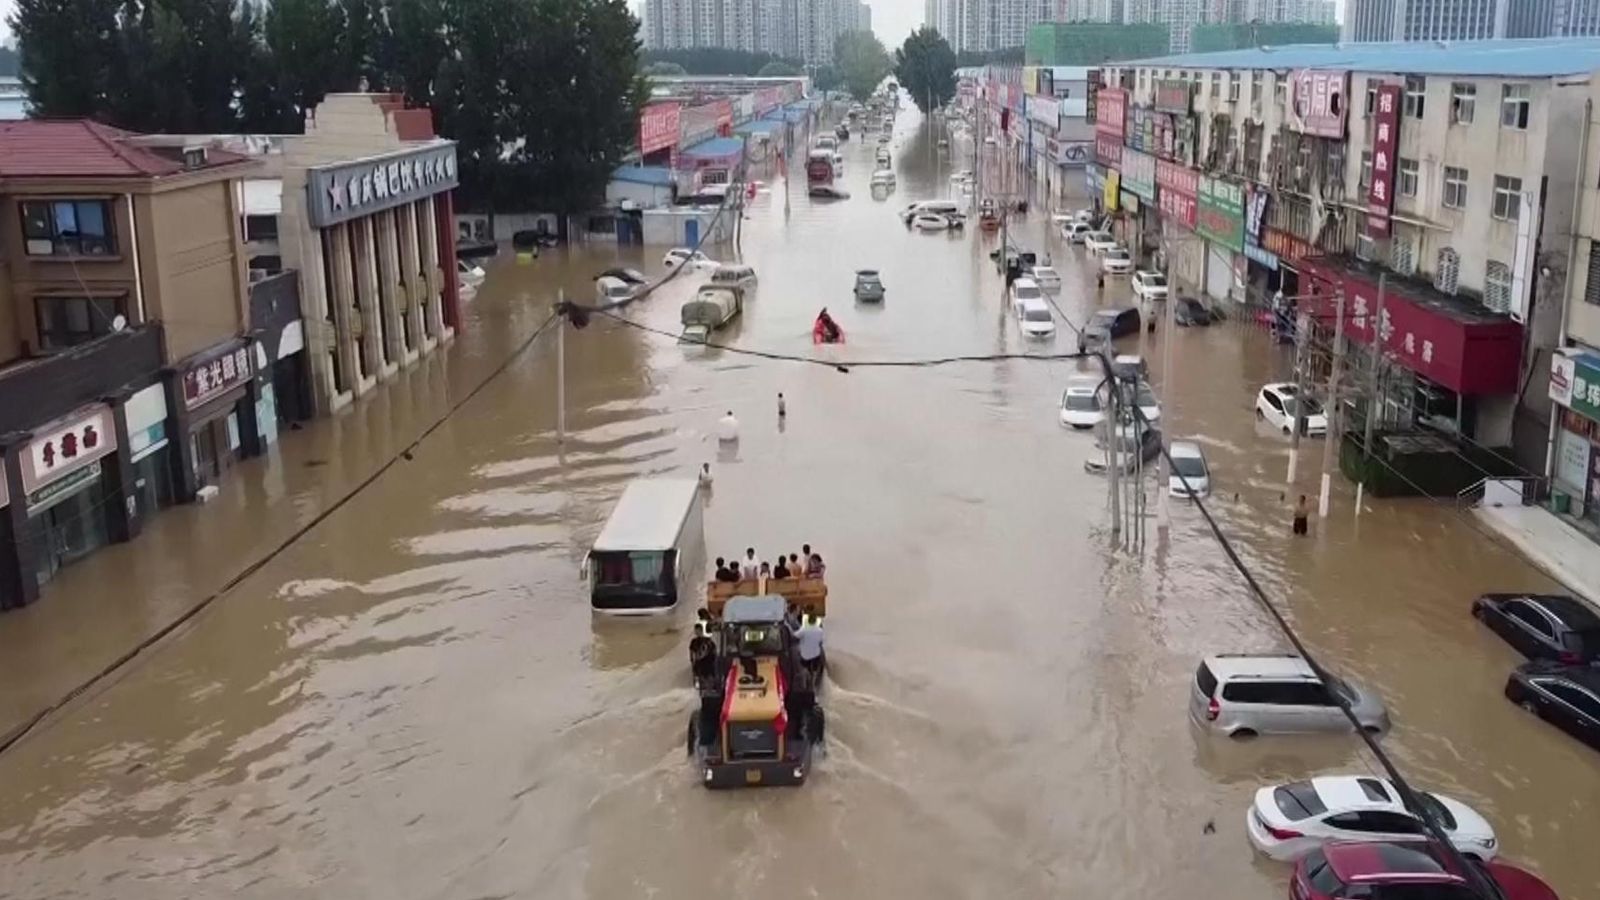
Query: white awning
x,y
263,197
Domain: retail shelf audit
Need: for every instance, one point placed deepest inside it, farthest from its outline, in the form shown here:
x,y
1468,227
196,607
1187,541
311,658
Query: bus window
x,y
638,569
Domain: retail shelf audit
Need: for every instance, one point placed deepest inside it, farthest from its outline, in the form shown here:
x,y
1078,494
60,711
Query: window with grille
x,y
1591,291
1216,85
1416,94
1514,105
1402,255
1447,273
1408,177
1366,169
1497,286
1280,87
1507,197
1372,96
1366,247
1255,87
1463,102
1455,187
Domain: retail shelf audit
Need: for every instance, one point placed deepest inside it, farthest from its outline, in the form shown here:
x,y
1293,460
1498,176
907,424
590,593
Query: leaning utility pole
x,y
1302,325
1335,435
1113,422
561,367
1372,391
1169,383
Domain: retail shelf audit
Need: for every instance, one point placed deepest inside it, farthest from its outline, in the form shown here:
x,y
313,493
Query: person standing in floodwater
x,y
783,408
1302,516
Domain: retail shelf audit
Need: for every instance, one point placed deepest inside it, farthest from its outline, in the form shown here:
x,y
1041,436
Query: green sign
x,y
62,488
1220,218
1586,389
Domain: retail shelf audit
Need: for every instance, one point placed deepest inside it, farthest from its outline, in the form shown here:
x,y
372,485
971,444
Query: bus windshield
x,y
639,569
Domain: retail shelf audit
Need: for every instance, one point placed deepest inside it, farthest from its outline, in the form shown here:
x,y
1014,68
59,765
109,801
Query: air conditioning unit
x,y
194,156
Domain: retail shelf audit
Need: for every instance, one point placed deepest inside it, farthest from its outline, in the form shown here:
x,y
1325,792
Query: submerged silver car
x,y
1246,694
869,287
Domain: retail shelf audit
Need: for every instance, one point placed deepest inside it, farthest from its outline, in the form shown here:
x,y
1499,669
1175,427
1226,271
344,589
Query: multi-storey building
x,y
1427,20
1446,168
1180,17
796,29
1553,18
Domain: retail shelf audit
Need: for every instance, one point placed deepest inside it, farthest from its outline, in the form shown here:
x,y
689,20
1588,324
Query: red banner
x,y
1110,111
1179,187
658,127
1108,150
1385,138
1290,248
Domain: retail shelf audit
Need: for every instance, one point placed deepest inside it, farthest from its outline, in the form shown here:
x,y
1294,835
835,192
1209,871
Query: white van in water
x,y
651,548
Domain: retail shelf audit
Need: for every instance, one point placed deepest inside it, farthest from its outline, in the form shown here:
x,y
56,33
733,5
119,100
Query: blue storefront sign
x,y
1264,257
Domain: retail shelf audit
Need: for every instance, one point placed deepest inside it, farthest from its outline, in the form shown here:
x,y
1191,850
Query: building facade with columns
x,y
368,223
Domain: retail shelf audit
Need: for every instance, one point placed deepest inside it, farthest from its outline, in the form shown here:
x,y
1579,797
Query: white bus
x,y
650,550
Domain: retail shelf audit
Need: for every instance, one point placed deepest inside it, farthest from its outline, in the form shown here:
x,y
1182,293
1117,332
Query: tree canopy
x,y
542,96
1004,56
926,66
861,61
669,69
717,61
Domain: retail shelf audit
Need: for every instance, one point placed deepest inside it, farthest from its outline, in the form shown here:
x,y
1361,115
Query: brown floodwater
x,y
414,701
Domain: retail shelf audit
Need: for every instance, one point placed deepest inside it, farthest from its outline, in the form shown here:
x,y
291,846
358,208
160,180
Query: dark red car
x,y
1402,870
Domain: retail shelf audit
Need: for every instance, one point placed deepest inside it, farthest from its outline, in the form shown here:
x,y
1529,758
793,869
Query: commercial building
x,y
132,375
1039,116
1553,18
986,25
1447,169
368,223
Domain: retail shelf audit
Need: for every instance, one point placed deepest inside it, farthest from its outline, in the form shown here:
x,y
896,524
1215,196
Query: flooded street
x,y
413,701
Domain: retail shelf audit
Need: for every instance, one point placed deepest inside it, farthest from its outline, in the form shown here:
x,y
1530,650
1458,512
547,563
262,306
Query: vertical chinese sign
x,y
1385,139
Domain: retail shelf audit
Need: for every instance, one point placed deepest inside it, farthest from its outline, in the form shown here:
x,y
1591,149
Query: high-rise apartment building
x,y
1428,20
991,24
1553,18
1180,17
794,29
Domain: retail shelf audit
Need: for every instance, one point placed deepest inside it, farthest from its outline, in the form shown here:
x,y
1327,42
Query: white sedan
x,y
1149,286
1116,261
1190,476
1291,820
697,261
1080,403
1099,241
1075,232
1276,404
930,222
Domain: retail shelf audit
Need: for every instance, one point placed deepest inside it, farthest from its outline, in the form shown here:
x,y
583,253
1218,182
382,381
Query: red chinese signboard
x,y
658,127
1111,109
1385,138
1470,353
1319,102
216,376
1179,186
1108,150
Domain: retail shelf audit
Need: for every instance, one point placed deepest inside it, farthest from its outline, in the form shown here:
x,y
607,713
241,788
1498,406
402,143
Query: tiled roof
x,y
1532,58
80,148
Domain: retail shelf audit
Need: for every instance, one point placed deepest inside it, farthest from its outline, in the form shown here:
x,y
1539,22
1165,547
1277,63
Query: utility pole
x,y
1372,391
1302,324
1113,423
561,369
1168,381
1335,435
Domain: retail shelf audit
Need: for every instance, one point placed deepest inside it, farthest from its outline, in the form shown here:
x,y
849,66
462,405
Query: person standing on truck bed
x,y
750,568
809,639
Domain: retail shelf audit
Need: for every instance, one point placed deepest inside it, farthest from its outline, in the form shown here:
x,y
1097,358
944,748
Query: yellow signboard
x,y
1113,189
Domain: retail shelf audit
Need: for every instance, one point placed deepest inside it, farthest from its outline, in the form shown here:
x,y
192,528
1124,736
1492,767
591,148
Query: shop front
x,y
1448,363
150,450
1263,271
70,482
216,394
1285,252
1574,466
1219,218
1142,224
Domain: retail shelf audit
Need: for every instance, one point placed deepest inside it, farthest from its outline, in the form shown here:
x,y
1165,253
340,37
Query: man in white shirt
x,y
728,428
809,640
749,568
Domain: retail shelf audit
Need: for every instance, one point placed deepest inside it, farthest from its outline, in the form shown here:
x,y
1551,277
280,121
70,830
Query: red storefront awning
x,y
1448,340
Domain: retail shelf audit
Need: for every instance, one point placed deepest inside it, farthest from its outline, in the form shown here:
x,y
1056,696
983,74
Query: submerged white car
x,y
1099,241
1080,403
1288,821
1189,475
1116,261
694,259
1276,404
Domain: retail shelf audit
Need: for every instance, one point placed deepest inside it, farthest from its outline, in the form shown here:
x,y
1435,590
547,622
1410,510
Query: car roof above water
x,y
1258,665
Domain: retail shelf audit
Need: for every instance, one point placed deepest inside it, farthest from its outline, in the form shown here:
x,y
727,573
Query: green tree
x,y
779,68
861,62
414,48
826,78
926,66
179,66
65,46
665,69
305,58
361,43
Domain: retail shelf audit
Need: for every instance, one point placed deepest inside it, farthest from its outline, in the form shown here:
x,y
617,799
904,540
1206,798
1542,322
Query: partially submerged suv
x,y
1245,694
